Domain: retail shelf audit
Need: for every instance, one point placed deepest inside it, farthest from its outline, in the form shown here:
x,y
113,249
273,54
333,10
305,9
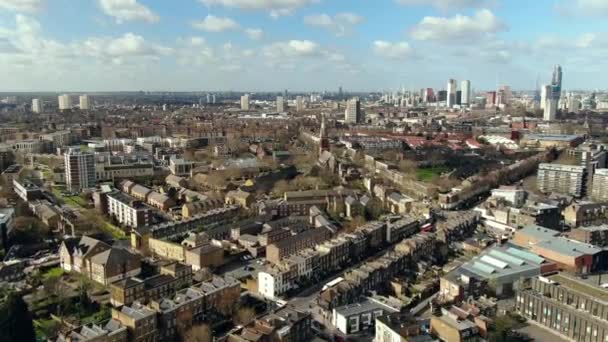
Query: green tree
x,y
16,321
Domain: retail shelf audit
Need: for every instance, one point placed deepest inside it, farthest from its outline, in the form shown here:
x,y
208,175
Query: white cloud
x,y
292,48
449,4
28,6
212,23
584,7
459,27
391,50
129,45
254,33
128,10
340,24
276,8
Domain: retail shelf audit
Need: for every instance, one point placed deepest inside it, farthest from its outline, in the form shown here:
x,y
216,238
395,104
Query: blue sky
x,y
301,45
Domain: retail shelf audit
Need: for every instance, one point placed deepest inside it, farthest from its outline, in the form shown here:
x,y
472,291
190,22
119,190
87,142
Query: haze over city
x,y
303,45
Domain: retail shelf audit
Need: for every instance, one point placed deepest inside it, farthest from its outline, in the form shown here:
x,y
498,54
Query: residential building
x,y
127,210
564,179
207,255
27,191
451,93
353,318
453,328
79,170
180,167
283,325
281,104
139,320
7,223
569,306
280,249
397,327
245,102
110,331
64,102
299,103
594,235
585,214
112,172
353,113
599,188
97,260
84,102
193,209
465,87
37,106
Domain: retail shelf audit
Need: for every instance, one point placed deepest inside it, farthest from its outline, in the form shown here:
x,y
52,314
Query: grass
x,y
44,327
72,201
111,229
53,272
428,173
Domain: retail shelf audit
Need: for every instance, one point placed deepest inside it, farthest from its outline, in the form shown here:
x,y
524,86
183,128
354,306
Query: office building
x,y
451,95
281,104
37,106
79,170
563,179
299,103
572,307
245,102
84,102
65,102
353,114
465,88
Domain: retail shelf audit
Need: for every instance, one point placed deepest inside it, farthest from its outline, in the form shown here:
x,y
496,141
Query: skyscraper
x,y
245,102
299,103
553,93
280,104
353,114
79,170
84,102
544,91
37,106
340,93
65,102
451,95
465,87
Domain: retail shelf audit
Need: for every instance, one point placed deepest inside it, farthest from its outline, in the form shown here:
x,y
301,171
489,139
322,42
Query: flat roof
x,y
580,286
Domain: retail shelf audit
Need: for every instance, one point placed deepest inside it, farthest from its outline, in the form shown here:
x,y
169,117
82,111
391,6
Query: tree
x,y
280,188
374,209
16,321
198,333
353,224
408,167
244,315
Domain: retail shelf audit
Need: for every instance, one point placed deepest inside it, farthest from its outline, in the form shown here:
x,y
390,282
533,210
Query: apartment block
x,y
569,306
563,179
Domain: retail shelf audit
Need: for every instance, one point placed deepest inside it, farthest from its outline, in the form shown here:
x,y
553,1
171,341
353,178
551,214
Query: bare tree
x,y
198,333
244,315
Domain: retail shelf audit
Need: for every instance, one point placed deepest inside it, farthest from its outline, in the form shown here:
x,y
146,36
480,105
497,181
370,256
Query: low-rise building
x,y
451,327
27,191
127,210
353,318
207,255
7,223
566,305
277,251
283,325
594,235
585,214
139,320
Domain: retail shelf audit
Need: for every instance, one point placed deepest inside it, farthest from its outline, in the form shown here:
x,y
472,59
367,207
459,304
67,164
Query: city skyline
x,y
151,45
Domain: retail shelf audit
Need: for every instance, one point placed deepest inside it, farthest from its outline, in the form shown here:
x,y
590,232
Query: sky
x,y
300,45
